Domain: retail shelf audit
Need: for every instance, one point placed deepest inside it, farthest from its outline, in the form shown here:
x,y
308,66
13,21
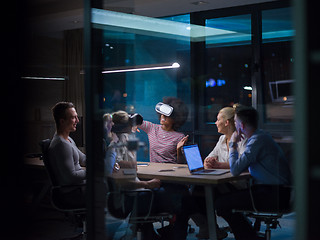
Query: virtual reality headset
x,y
164,109
134,120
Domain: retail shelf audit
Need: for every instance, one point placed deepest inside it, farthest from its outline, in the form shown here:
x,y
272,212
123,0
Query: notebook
x,y
195,164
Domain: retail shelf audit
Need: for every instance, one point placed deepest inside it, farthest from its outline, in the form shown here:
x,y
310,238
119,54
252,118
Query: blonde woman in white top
x,y
219,157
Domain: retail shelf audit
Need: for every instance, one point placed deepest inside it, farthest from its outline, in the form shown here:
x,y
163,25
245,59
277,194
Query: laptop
x,y
195,164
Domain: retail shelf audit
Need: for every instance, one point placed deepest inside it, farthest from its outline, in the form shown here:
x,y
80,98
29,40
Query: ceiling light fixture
x,y
46,78
128,23
142,68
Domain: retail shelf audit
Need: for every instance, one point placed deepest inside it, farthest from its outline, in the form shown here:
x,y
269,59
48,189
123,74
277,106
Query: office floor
x,y
286,232
46,223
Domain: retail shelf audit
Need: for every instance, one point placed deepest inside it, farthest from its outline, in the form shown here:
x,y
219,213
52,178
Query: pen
x,y
166,170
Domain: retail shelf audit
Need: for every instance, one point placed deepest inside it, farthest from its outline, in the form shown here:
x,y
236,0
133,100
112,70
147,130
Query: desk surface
x,y
34,162
181,174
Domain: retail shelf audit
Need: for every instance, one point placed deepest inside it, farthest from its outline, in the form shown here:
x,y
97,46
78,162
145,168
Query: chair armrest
x,y
137,190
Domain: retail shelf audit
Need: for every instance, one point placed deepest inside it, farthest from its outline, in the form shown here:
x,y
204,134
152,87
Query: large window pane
x,y
277,60
143,42
215,67
228,65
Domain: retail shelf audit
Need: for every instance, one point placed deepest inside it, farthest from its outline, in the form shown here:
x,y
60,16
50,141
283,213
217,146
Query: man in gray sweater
x,y
65,159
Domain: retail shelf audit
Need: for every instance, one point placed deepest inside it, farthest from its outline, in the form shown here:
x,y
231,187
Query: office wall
x,y
57,56
38,121
44,58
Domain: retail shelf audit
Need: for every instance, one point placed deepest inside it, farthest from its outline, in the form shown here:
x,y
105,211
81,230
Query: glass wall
x,y
277,64
228,65
208,60
142,64
253,66
226,75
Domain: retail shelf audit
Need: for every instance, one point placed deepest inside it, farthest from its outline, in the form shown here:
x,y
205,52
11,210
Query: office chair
x,y
270,217
57,200
134,218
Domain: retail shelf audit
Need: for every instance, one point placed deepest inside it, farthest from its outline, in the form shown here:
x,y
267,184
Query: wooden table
x,y
179,173
34,162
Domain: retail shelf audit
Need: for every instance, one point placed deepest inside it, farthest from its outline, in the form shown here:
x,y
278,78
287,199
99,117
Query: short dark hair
x,y
59,111
248,115
121,122
180,111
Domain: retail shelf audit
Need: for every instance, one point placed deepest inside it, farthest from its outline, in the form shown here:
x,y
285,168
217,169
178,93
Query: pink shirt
x,y
163,144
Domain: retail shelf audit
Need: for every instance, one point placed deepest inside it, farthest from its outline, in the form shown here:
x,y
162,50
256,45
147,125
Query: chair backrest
x,y
58,198
114,196
44,144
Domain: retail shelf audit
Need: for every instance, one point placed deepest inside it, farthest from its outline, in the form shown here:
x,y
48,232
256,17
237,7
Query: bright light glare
x,y
175,65
143,68
46,78
249,88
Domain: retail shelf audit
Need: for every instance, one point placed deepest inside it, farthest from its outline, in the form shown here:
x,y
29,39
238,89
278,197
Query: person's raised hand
x,y
182,142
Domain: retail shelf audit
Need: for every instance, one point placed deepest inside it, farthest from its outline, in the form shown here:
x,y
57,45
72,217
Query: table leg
x,y
210,212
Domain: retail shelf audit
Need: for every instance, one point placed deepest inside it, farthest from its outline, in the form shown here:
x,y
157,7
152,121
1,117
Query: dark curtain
x,y
73,62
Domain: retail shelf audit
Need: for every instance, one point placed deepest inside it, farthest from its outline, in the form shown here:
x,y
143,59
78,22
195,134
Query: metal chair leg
x,y
268,234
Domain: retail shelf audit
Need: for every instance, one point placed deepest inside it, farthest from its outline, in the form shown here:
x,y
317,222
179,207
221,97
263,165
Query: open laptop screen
x,y
193,157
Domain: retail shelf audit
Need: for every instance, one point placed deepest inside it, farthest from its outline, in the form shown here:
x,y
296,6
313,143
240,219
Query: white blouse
x,y
221,149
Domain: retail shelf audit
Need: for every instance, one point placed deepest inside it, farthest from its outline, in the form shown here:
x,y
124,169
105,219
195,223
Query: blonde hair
x,y
227,113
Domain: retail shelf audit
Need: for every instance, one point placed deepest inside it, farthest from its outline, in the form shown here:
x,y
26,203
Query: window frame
x,y
198,56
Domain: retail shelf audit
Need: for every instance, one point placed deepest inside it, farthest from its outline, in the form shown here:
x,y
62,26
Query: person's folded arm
x,y
233,157
241,164
82,159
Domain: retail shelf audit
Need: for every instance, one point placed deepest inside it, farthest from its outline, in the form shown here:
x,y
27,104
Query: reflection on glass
x,y
138,55
159,49
156,27
277,25
277,36
240,26
228,60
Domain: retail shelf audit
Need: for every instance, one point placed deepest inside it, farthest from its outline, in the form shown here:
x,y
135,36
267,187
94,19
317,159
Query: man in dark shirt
x,y
269,170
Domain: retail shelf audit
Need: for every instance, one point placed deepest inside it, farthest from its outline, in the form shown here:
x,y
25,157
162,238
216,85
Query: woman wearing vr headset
x,y
164,139
165,143
118,127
